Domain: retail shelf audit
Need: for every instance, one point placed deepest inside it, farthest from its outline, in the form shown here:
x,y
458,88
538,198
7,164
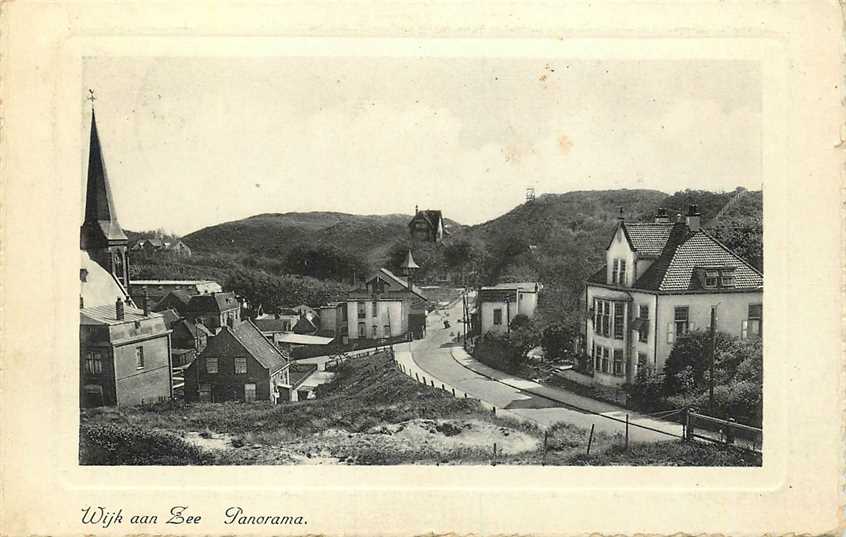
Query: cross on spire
x,y
91,97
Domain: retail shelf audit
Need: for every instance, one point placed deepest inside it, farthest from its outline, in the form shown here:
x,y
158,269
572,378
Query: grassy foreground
x,y
369,414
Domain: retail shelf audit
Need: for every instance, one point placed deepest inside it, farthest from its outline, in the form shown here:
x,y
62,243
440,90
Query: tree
x,y
557,340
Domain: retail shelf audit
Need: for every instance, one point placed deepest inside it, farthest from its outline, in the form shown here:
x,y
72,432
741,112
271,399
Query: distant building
x,y
660,281
157,289
179,248
214,310
156,245
176,301
332,316
124,351
382,309
498,305
239,364
427,225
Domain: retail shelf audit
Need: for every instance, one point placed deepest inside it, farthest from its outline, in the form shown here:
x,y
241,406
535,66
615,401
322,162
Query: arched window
x,y
117,264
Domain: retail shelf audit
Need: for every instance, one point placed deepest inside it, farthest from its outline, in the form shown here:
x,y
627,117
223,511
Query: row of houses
x,y
157,246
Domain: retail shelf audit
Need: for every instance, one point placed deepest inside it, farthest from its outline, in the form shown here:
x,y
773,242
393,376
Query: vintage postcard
x,y
341,275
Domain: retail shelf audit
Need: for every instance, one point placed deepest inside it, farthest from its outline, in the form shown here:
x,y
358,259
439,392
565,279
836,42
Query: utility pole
x,y
713,358
508,315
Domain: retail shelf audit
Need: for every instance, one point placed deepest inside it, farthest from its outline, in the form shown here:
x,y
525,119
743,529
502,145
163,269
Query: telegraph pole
x,y
713,357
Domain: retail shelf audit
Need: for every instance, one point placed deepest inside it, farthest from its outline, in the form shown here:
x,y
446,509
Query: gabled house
x,y
499,304
383,308
238,364
178,248
176,301
214,310
660,281
427,225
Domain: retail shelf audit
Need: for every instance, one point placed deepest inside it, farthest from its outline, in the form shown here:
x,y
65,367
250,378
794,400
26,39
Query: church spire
x,y
101,227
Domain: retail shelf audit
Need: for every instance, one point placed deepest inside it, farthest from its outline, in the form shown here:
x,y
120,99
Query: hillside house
x,y
214,310
383,308
427,225
238,364
124,351
158,289
498,305
660,281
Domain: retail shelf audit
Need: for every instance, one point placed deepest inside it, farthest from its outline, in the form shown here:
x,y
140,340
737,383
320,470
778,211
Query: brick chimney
x,y
119,315
416,210
620,217
693,218
661,216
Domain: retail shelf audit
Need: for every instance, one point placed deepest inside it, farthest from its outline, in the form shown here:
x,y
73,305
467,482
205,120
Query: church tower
x,y
100,234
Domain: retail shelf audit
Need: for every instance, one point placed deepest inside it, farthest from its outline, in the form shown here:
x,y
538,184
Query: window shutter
x,y
744,329
669,332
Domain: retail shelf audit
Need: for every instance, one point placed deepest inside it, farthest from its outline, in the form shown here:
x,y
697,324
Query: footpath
x,y
566,398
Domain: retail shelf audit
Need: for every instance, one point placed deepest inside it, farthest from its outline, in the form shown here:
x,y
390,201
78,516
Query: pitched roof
x,y
170,317
272,324
213,302
684,252
101,222
107,314
304,326
304,339
300,372
431,216
501,291
401,282
647,238
178,299
264,352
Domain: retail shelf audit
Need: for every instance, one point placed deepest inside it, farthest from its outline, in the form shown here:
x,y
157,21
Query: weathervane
x,y
91,97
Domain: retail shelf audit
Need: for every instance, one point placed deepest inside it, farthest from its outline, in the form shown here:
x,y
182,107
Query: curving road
x,y
443,360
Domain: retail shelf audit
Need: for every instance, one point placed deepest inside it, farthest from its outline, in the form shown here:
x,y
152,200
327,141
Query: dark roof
x,y
683,252
170,317
300,372
251,339
188,326
272,325
213,302
430,216
304,326
647,238
100,226
600,276
178,300
499,292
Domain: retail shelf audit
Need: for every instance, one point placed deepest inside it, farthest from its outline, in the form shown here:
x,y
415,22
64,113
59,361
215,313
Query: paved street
x,y
439,357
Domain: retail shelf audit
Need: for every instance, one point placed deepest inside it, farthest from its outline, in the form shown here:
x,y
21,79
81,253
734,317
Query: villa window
x,y
139,358
386,331
619,320
205,393
362,310
362,331
614,268
752,326
605,356
726,279
373,331
211,365
618,362
711,279
249,393
681,324
373,308
643,332
94,363
240,366
622,277
497,316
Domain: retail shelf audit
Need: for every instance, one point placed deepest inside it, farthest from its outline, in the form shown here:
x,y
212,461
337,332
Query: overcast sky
x,y
194,142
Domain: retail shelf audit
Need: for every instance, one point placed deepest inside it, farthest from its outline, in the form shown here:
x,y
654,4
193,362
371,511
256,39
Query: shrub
x,y
111,444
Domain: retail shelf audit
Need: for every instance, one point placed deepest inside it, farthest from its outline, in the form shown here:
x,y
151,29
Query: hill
x,y
276,235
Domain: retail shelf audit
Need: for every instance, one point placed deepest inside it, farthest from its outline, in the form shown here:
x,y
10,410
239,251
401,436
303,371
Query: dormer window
x,y
716,277
618,272
712,279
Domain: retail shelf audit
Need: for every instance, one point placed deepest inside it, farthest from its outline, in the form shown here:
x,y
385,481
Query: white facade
x,y
495,314
375,319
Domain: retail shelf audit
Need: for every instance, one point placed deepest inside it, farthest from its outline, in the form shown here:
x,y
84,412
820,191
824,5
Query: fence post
x,y
627,432
416,376
453,392
730,432
493,409
545,439
590,438
493,463
689,424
